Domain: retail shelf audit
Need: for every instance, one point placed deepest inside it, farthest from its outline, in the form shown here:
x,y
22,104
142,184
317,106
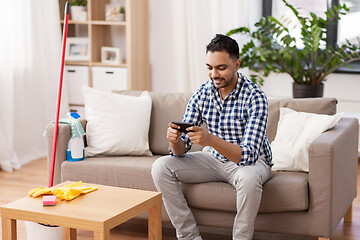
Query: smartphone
x,y
183,125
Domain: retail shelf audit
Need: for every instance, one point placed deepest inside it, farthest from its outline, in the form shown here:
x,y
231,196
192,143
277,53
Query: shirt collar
x,y
234,94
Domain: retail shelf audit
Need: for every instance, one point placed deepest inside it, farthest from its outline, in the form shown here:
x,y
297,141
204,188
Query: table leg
x,y
69,233
154,223
102,235
8,229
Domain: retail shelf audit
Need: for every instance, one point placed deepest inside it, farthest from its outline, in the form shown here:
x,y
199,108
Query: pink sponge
x,y
49,200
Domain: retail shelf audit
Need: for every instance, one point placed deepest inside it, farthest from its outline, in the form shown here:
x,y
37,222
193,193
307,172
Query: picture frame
x,y
112,12
77,49
111,55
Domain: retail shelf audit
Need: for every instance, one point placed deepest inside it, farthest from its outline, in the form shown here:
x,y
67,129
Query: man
x,y
235,111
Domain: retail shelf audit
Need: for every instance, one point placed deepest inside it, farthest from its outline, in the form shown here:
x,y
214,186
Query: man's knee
x,y
159,168
247,181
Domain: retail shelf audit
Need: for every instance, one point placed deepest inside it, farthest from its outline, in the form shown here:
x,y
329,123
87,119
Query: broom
x,y
56,128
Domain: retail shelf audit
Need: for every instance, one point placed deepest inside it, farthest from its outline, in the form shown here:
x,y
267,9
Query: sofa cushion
x,y
284,192
311,105
117,124
309,126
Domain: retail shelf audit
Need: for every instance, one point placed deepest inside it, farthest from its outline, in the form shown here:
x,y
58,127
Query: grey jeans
x,y
199,167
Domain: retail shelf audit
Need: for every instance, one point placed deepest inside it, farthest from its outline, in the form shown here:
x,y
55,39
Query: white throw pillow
x,y
295,132
116,124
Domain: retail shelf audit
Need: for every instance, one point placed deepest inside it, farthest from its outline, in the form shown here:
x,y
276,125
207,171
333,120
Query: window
x,y
346,28
337,33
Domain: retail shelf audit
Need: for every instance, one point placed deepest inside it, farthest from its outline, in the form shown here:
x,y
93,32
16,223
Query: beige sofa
x,y
293,202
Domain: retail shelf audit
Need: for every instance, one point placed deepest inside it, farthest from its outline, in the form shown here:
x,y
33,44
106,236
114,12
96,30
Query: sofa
x,y
298,203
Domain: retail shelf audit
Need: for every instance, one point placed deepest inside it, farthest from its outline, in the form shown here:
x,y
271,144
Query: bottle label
x,y
75,151
76,148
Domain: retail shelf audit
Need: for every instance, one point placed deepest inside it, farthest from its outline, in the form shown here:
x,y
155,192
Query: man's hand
x,y
173,136
173,133
202,137
199,135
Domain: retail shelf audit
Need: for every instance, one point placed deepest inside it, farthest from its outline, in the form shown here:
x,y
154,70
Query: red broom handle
x,y
56,128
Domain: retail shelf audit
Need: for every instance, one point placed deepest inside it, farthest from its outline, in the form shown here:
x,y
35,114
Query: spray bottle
x,y
75,150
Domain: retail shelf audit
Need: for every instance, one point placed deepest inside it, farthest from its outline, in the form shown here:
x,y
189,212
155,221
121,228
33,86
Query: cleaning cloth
x,y
76,129
68,192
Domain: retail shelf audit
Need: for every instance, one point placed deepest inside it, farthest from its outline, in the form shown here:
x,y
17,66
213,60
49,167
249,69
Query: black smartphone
x,y
183,125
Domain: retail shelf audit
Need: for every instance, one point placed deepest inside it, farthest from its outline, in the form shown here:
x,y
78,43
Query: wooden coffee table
x,y
98,211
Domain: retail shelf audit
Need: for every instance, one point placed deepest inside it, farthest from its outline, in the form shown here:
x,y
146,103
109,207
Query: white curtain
x,y
29,71
195,23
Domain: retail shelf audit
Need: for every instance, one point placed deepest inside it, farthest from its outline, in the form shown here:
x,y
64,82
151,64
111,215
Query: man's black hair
x,y
223,43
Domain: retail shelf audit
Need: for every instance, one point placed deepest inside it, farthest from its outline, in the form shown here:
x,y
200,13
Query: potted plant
x,y
78,9
272,48
122,14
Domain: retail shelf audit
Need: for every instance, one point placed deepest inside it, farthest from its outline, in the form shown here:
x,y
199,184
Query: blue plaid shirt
x,y
240,118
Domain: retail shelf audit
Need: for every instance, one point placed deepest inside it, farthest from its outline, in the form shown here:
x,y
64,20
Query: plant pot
x,y
308,91
77,13
122,17
37,231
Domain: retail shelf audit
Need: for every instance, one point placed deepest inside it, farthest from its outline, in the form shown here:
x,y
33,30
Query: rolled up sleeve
x,y
255,129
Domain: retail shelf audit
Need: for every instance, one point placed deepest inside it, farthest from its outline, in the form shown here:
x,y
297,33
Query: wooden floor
x,y
16,185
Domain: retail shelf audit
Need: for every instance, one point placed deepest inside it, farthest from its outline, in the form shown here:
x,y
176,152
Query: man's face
x,y
222,70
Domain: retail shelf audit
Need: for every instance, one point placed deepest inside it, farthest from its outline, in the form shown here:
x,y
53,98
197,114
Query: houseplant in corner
x,y
78,7
272,48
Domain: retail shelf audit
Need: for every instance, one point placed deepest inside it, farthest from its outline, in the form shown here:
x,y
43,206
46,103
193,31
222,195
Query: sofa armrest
x,y
333,174
64,135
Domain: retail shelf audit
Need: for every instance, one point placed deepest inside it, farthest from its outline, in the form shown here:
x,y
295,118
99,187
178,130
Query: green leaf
x,y
345,7
332,11
313,15
238,30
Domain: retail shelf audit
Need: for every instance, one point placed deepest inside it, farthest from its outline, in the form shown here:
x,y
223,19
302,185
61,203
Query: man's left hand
x,y
199,135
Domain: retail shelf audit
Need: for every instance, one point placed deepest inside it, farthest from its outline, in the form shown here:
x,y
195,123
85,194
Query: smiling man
x,y
235,111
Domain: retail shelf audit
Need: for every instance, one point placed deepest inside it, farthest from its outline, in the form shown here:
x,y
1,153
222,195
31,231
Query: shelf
x,y
97,22
100,64
76,22
76,105
110,23
80,63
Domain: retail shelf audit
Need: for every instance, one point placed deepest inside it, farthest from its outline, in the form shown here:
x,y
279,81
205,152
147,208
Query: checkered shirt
x,y
240,118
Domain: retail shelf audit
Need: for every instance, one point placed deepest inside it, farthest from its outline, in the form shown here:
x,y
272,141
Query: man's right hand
x,y
176,144
173,133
